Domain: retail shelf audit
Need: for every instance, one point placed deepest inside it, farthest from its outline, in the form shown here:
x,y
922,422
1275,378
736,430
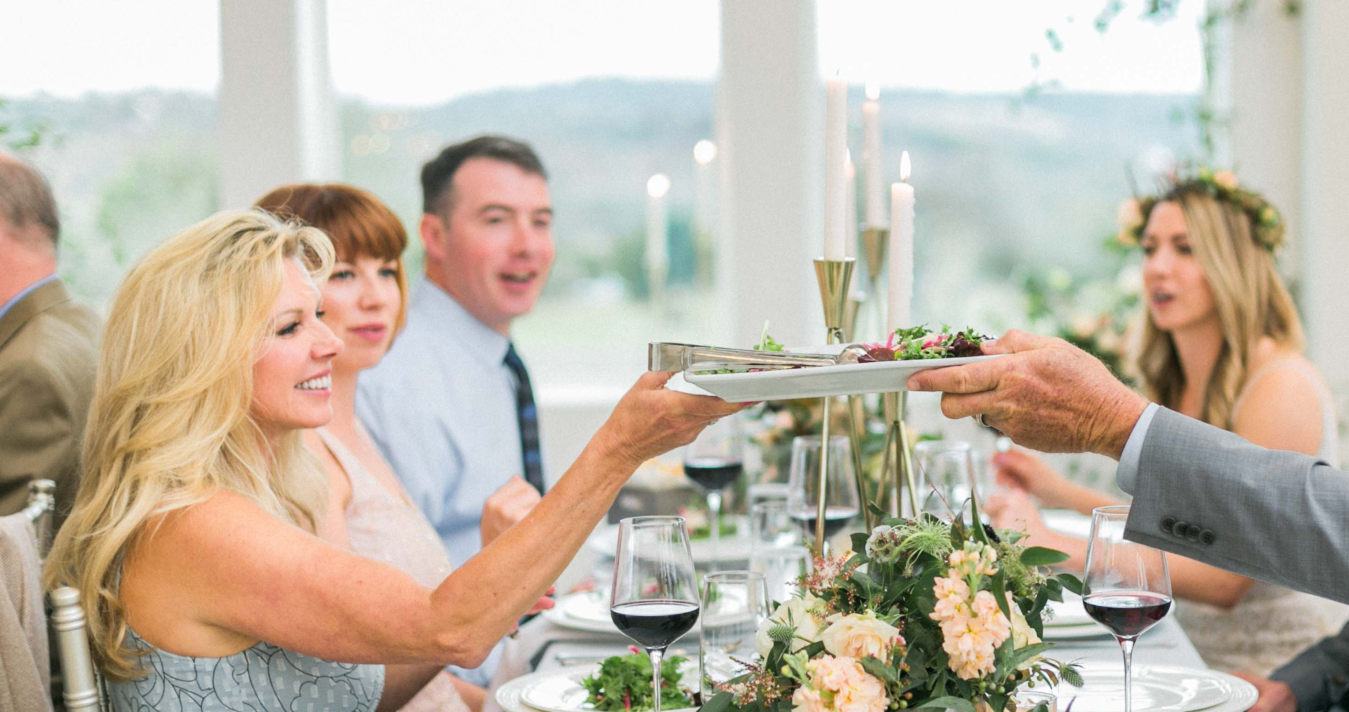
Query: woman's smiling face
x,y
292,379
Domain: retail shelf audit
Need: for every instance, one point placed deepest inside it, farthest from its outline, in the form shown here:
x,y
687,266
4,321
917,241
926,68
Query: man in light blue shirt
x,y
451,406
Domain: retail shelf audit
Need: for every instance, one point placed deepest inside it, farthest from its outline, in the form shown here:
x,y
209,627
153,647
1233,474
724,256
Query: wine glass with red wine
x,y
655,597
841,502
1126,587
713,461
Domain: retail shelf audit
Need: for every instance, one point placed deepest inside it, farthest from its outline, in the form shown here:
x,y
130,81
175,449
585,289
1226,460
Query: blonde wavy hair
x,y
170,421
1251,300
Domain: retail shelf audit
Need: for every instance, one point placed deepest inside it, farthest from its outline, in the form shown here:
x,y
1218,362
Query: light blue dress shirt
x,y
1127,473
441,408
23,293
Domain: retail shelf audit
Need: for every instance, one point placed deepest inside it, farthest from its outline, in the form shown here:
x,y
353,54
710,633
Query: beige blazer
x,y
48,352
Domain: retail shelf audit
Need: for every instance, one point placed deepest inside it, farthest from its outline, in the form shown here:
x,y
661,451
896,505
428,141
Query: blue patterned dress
x,y
263,678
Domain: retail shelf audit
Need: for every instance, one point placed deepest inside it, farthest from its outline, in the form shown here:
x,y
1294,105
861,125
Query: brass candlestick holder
x,y
834,277
875,245
898,460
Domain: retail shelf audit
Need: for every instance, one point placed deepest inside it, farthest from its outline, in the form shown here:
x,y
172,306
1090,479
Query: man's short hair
x,y
26,198
438,174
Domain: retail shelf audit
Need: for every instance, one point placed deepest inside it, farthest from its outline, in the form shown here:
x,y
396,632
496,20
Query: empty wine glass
x,y
734,604
713,461
841,499
947,467
776,548
1126,586
655,599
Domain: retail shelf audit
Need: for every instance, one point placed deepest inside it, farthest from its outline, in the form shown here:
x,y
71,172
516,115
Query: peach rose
x,y
855,635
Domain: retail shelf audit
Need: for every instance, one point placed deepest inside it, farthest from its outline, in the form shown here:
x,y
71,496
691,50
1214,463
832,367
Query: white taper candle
x,y
898,314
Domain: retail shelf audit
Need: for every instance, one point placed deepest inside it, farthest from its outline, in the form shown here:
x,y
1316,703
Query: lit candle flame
x,y
873,90
905,167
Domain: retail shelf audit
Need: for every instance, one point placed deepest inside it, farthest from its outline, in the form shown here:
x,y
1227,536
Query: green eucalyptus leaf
x,y
1042,556
1071,582
951,703
720,702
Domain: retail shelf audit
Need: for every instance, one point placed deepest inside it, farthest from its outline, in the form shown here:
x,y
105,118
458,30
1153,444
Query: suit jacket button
x,y
1179,528
1192,532
1207,537
1168,523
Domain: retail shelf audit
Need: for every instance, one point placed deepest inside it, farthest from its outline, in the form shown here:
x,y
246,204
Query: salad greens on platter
x,y
623,684
919,342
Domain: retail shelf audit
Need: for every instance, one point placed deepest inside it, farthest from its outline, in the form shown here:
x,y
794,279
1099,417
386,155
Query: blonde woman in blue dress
x,y
193,540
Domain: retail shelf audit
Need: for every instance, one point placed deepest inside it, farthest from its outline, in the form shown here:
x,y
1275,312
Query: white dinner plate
x,y
561,690
1158,688
819,381
1068,612
1054,634
604,541
587,611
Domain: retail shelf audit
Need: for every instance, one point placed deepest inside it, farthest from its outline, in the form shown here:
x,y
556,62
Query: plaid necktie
x,y
528,416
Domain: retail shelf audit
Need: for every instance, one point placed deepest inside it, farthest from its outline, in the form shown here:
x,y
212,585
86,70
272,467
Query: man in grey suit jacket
x,y
1198,491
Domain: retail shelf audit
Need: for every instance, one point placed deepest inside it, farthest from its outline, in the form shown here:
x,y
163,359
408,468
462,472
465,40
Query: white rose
x,y
1022,633
802,612
855,636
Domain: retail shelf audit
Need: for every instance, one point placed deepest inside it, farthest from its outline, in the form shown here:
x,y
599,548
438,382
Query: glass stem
x,y
656,654
714,515
1127,646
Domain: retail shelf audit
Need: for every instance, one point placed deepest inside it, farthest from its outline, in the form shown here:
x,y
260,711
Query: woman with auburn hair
x,y
193,537
1222,343
365,304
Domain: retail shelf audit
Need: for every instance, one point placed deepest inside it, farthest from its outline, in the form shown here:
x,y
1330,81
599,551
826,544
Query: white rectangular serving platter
x,y
819,381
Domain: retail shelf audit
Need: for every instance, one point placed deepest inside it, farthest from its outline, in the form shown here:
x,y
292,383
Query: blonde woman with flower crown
x,y
193,537
1221,342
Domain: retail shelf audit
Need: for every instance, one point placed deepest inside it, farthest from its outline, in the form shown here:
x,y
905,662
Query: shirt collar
x,y
29,289
448,316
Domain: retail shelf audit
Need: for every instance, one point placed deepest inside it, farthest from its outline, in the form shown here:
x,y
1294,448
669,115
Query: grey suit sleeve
x,y
1272,515
1319,675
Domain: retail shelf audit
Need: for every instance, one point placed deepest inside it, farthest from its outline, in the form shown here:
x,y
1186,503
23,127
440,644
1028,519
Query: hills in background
x,y
1005,184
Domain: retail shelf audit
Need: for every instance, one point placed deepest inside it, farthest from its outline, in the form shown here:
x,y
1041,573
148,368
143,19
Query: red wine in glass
x,y
835,518
712,473
655,624
1127,613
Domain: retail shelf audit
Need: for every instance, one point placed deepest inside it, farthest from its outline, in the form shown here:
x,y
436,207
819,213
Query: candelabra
x,y
834,277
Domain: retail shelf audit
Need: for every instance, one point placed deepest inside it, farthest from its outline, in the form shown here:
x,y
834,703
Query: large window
x,y
121,98
608,92
1028,123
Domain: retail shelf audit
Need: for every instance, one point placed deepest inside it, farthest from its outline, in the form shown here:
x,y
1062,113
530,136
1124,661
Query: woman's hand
x,y
508,505
1015,510
1021,470
651,420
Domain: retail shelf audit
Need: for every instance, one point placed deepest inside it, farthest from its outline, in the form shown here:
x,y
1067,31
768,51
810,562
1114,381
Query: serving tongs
x,y
691,357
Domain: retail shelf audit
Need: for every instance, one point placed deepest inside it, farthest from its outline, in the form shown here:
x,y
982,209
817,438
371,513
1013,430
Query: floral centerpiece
x,y
926,614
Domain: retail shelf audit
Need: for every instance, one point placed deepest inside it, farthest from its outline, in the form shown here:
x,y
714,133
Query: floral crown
x,y
1267,226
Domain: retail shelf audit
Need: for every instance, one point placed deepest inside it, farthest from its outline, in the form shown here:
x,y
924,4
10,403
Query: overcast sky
x,y
429,51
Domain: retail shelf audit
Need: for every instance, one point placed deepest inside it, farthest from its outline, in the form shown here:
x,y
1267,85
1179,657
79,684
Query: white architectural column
x,y
1263,73
278,118
770,137
1325,186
